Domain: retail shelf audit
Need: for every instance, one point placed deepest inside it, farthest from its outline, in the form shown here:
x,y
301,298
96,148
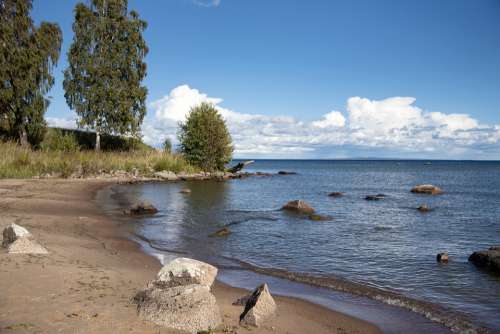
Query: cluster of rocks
x,y
201,176
180,298
487,259
19,240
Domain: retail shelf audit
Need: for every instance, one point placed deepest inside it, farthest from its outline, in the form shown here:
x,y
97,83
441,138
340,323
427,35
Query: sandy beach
x,y
86,283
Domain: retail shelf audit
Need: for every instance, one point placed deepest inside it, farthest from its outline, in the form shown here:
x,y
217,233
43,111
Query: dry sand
x,y
86,283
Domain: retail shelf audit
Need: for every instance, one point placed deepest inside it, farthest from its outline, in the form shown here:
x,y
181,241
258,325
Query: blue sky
x,y
320,78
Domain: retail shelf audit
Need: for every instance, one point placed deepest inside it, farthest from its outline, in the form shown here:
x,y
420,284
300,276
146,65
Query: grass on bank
x,y
19,162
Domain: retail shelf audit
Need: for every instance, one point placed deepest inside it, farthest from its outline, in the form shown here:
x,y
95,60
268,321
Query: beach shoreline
x,y
93,271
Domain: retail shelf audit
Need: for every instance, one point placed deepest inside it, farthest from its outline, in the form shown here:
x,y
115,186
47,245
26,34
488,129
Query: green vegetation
x,y
103,85
204,138
23,162
167,145
103,80
27,56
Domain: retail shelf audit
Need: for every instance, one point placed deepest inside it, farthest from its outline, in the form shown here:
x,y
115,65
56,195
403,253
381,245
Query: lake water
x,y
377,251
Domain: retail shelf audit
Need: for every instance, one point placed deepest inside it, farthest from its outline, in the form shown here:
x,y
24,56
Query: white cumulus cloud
x,y
394,123
332,119
373,127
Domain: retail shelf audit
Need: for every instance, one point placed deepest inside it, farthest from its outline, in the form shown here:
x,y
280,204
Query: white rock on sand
x,y
19,240
184,271
26,246
191,308
12,232
180,297
259,308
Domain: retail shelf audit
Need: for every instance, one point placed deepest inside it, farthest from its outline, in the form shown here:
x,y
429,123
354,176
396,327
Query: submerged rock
x,y
185,191
442,257
426,189
298,206
423,208
185,271
336,194
487,258
259,307
142,208
12,232
191,308
223,232
284,172
317,217
376,197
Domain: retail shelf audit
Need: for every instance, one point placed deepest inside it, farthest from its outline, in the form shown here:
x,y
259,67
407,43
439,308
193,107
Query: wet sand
x,y
86,283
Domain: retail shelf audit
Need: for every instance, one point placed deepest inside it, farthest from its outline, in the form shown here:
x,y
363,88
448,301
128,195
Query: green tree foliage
x,y
167,145
204,138
103,80
27,57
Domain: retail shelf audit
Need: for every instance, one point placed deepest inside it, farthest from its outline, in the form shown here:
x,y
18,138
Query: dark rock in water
x,y
260,307
426,189
185,191
262,174
375,197
298,206
442,257
223,232
423,208
284,172
487,258
336,194
142,208
317,217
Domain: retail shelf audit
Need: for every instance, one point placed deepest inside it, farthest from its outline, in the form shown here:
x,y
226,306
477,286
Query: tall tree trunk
x,y
97,141
23,137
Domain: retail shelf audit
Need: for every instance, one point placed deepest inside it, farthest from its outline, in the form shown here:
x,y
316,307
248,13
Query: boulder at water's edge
x,y
259,307
489,258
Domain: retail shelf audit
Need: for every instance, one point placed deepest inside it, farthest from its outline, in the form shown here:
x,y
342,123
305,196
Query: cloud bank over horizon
x,y
392,127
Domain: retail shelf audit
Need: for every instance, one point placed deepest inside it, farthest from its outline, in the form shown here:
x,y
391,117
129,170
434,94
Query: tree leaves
x,y
204,138
27,57
103,79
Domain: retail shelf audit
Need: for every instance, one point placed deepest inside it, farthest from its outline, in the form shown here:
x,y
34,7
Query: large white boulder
x,y
184,271
12,232
259,308
191,308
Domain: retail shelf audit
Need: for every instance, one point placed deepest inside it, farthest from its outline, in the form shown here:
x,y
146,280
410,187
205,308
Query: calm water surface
x,y
385,245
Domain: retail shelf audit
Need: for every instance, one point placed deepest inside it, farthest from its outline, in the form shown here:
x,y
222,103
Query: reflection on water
x,y
385,244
